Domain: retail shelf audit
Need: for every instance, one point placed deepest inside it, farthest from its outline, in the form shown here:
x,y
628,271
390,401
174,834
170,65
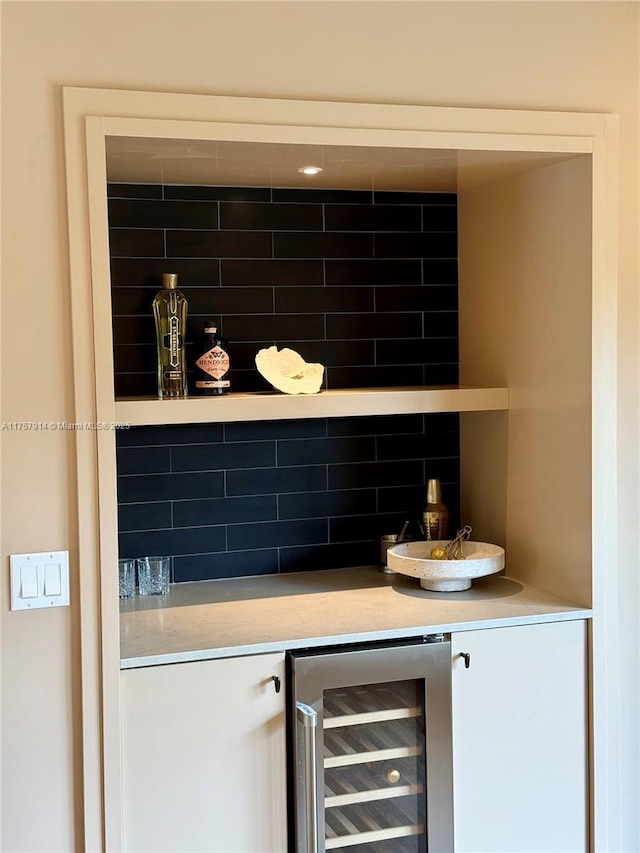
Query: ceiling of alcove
x,y
216,163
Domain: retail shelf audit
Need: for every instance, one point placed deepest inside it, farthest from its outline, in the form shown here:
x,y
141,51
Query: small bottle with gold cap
x,y
435,516
170,313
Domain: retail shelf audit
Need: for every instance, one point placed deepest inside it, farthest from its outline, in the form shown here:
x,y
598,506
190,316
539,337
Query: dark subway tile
x,y
353,528
363,527
139,329
306,300
273,327
229,300
219,244
134,190
274,534
420,351
403,499
370,474
144,516
350,217
140,436
224,565
167,487
142,213
320,196
143,460
447,469
219,457
291,244
439,218
389,447
426,245
336,353
268,430
351,273
391,325
135,358
136,243
242,354
400,197
268,273
442,350
445,444
271,217
417,298
250,382
191,272
441,374
440,270
135,384
308,451
276,480
209,511
339,556
418,446
188,540
132,300
325,504
202,302
440,324
376,425
375,377
205,193
438,422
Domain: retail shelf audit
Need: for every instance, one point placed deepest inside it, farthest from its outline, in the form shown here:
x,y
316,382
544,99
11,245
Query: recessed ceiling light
x,y
310,170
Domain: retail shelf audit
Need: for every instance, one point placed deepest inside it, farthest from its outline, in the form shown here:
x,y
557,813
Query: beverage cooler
x,y
370,730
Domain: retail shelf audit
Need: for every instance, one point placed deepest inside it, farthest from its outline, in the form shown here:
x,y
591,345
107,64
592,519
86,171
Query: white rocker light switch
x,y
39,580
29,581
52,580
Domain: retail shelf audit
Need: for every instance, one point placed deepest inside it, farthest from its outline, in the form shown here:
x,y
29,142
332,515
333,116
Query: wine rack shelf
x,y
373,738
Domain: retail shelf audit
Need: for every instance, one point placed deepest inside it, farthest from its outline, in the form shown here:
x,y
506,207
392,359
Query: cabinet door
x,y
204,757
520,739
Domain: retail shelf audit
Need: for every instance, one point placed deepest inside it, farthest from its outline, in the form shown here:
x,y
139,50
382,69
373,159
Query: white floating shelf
x,y
345,402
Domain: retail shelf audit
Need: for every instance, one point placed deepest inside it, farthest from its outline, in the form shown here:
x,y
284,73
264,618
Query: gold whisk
x,y
454,549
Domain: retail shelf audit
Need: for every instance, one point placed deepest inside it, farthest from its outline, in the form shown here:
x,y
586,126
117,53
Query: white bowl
x,y
412,558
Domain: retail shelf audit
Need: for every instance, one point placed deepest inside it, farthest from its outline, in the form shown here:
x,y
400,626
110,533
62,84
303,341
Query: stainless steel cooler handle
x,y
307,718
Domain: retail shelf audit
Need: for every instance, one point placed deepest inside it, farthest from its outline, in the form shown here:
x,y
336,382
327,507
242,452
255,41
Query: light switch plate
x,y
39,580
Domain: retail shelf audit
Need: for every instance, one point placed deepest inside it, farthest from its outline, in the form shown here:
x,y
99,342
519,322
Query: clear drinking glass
x,y
153,575
126,578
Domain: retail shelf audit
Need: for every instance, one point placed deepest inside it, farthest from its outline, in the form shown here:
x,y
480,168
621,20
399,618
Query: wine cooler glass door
x,y
374,758
374,763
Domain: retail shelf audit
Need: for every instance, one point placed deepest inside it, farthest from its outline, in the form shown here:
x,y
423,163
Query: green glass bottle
x,y
170,313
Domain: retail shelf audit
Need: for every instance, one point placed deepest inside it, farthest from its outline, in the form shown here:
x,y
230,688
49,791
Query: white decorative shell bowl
x,y
413,559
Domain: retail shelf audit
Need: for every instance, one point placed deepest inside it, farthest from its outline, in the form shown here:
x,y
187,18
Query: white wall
x,y
557,55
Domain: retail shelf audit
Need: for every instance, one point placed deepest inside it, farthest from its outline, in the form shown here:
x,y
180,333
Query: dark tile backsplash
x,y
290,267
366,284
279,496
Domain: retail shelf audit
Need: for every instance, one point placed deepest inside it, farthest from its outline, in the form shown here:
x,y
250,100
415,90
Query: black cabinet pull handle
x,y
467,659
276,682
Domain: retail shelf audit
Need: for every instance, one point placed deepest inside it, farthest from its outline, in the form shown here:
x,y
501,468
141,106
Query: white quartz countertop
x,y
227,618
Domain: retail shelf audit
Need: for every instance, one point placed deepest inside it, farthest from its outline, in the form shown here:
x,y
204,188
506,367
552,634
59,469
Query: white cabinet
x,y
520,739
203,755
